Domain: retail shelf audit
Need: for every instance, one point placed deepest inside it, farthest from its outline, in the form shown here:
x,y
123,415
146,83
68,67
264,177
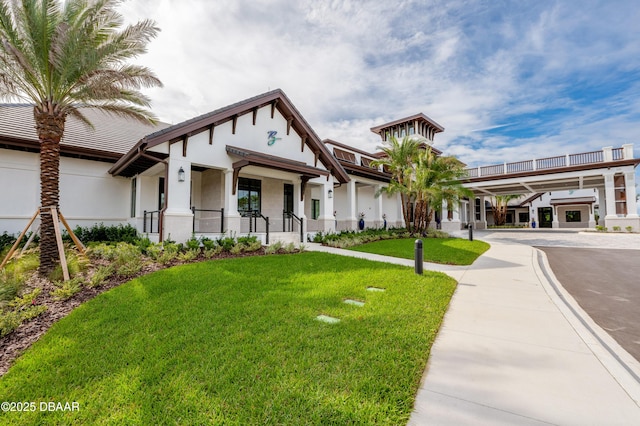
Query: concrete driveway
x,y
600,271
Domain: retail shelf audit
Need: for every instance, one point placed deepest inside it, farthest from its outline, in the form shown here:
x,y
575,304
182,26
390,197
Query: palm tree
x,y
62,57
499,205
437,182
399,160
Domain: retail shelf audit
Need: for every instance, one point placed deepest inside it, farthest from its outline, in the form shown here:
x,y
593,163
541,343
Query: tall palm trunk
x,y
50,129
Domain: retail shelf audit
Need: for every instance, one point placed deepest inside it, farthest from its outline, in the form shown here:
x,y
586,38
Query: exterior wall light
x,y
330,193
181,174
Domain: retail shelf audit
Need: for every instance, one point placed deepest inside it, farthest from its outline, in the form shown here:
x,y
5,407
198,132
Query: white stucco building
x,y
258,167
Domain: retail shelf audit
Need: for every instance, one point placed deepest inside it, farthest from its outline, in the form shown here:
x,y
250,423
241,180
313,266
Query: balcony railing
x,y
560,161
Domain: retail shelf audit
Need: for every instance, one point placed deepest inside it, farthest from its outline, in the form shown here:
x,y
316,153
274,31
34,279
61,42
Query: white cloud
x,y
549,69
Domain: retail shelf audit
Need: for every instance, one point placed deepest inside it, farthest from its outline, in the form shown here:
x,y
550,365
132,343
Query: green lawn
x,y
236,342
453,251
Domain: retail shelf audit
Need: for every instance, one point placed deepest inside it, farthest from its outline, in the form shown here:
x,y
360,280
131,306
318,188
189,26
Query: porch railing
x,y
256,222
289,222
149,219
208,220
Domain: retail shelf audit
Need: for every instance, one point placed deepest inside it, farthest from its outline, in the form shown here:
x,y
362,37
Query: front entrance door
x,y
545,216
288,198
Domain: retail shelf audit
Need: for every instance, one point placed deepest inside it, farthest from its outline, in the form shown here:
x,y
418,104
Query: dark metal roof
x,y
253,158
420,117
110,138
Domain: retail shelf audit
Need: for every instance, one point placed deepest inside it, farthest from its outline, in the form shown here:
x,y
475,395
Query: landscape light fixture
x,y
181,174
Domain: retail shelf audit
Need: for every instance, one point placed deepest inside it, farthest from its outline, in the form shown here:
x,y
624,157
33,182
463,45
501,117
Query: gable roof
x,y
110,138
126,166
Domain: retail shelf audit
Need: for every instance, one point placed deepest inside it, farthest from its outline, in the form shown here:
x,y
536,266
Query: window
x,y
573,216
133,197
620,194
248,196
477,202
160,193
315,209
523,217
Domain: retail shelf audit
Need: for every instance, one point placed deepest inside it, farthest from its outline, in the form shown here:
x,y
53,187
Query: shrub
x,y
193,243
616,228
207,243
9,321
189,255
169,253
100,275
629,228
101,233
210,253
76,263
274,248
601,228
226,243
67,289
6,241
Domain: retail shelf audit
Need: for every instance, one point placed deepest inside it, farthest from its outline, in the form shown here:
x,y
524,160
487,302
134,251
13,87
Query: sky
x,y
508,80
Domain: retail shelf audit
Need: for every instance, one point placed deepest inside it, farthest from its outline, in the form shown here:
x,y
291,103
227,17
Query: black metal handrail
x,y
253,216
221,211
287,219
144,221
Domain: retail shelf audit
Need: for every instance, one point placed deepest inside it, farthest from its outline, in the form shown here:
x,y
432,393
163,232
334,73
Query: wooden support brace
x,y
63,259
15,245
211,134
75,239
30,240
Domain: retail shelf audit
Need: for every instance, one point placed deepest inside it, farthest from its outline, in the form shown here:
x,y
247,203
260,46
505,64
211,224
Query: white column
x,y
231,216
602,207
630,192
607,153
378,207
592,218
352,218
483,214
178,218
555,223
453,224
326,221
610,195
298,205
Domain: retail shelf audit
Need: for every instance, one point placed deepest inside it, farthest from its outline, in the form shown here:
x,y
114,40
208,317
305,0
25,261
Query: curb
x,y
623,367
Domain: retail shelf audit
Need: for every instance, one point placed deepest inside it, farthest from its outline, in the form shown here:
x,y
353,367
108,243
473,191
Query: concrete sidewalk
x,y
515,348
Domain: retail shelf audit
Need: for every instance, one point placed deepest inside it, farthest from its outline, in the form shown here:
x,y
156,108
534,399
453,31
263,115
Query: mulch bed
x,y
16,342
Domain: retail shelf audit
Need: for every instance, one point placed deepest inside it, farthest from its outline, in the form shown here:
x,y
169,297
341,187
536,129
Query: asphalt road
x,y
606,284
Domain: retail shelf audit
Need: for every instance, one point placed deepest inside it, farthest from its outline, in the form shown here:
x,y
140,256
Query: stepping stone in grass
x,y
327,319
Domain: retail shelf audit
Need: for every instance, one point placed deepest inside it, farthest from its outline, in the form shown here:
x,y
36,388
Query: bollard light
x,y
418,255
470,231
